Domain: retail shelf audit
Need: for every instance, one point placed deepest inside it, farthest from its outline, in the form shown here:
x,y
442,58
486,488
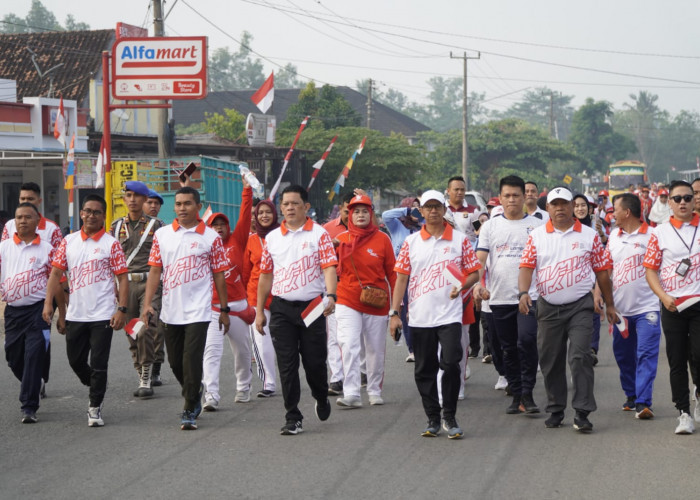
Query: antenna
x,y
42,74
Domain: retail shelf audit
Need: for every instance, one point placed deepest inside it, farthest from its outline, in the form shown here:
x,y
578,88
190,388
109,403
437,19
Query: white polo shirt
x,y
668,246
423,258
24,270
630,289
504,240
47,230
189,257
297,259
91,262
565,263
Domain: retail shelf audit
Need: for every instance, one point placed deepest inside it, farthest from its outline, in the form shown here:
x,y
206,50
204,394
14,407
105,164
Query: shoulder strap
x,y
352,261
144,236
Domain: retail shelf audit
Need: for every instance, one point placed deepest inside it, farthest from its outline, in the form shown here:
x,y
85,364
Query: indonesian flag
x,y
453,274
683,303
313,311
622,326
207,213
70,171
319,163
100,165
265,95
59,126
134,327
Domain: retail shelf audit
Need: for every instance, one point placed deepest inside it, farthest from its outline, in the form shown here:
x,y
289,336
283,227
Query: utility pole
x,y
369,104
465,121
164,144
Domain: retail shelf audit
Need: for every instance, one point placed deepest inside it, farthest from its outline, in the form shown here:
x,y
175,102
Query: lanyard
x,y
689,247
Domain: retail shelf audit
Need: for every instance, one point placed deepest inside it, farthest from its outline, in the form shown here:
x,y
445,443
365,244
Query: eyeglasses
x,y
430,208
90,213
686,198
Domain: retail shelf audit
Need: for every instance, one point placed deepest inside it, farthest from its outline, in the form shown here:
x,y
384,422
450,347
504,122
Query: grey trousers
x,y
557,324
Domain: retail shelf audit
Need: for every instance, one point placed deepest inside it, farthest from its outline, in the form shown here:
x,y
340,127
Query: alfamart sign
x,y
159,68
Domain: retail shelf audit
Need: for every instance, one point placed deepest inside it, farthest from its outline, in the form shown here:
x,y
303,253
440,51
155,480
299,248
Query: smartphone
x,y
397,334
189,170
416,213
477,225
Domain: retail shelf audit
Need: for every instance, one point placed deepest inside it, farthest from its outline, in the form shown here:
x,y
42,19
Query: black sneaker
x,y
291,428
29,417
508,392
529,404
433,428
156,380
581,422
643,412
554,420
335,388
454,431
514,407
198,405
630,404
265,393
323,410
594,357
363,380
188,422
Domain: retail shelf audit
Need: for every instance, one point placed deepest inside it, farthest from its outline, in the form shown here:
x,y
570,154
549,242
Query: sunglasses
x,y
686,198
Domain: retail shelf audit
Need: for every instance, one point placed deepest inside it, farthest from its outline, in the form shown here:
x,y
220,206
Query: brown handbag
x,y
371,295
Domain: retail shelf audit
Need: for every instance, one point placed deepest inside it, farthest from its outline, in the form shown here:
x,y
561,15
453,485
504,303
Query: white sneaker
x,y
349,402
95,416
501,384
242,396
210,404
685,424
467,373
460,397
411,358
375,400
696,413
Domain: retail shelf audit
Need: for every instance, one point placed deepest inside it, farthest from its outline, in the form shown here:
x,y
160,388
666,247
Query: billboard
x,y
159,68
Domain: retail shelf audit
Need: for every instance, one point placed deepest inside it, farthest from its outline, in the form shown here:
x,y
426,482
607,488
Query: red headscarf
x,y
358,235
263,231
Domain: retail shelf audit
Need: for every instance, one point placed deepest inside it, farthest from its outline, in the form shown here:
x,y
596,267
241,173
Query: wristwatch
x,y
226,309
335,297
393,312
521,294
122,309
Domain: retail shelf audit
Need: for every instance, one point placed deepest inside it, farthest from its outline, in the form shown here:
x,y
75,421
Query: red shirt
x,y
251,268
335,227
374,261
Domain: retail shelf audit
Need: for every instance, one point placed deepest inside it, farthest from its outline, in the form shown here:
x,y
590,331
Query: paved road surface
x,y
373,452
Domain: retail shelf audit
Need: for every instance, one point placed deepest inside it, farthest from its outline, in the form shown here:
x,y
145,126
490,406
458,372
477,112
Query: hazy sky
x,y
600,49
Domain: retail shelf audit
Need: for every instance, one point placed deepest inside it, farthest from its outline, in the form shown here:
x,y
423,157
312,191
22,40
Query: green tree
x,y
72,25
679,145
38,19
641,121
235,70
286,78
593,138
326,106
544,108
229,125
393,98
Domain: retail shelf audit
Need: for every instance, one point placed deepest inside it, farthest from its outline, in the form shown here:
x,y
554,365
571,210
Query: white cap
x,y
560,193
431,194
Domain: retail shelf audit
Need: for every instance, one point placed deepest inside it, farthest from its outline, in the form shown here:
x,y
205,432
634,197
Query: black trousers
x,y
682,332
425,348
292,339
26,344
185,345
494,344
517,334
93,339
475,333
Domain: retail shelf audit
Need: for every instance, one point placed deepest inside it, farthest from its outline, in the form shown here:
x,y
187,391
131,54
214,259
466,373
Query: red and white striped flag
x,y
265,95
453,274
100,165
287,157
319,163
59,126
313,311
207,213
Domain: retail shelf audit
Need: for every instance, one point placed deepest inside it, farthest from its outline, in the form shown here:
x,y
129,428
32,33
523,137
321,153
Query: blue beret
x,y
137,187
154,194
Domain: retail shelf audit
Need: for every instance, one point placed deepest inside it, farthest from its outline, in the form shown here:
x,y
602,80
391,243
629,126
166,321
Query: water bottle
x,y
258,188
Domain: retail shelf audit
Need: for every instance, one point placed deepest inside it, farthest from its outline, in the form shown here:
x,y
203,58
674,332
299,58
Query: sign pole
x,y
107,135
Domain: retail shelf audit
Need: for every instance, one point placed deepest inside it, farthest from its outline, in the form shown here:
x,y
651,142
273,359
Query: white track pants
x,y
264,353
462,363
239,339
355,327
335,359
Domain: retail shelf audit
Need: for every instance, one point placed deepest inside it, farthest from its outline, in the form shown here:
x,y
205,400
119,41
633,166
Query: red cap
x,y
360,200
493,202
214,216
663,192
604,192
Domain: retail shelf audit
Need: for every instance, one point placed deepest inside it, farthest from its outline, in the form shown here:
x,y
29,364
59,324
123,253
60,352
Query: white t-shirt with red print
x,y
296,259
565,262
25,269
91,262
672,242
423,258
189,257
630,289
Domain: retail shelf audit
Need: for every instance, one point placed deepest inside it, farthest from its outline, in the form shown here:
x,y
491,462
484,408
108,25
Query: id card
x,y
683,268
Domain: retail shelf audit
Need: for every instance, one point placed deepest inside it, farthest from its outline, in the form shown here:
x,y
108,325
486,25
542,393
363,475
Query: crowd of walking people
x,y
525,281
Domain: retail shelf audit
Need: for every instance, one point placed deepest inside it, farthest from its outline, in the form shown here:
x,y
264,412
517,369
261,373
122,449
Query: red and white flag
x,y
265,95
100,165
622,326
319,163
683,303
59,126
134,327
207,213
287,157
313,311
453,274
